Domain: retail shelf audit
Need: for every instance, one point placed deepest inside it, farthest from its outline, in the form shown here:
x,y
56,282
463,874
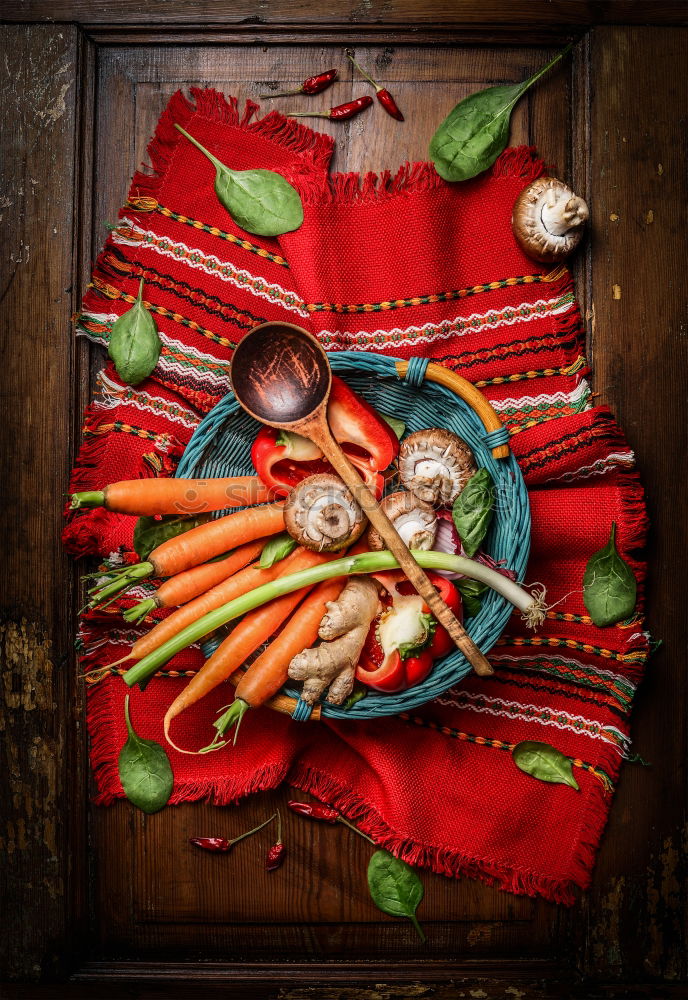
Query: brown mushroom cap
x,y
548,220
435,465
414,520
321,514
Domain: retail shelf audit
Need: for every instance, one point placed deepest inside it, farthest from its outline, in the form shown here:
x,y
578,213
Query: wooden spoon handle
x,y
321,436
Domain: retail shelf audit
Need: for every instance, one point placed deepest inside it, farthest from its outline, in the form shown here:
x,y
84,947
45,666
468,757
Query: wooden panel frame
x,y
46,844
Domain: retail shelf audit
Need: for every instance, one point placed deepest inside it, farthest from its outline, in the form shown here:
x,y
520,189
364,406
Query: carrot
x,y
183,587
248,635
196,546
235,586
184,497
266,675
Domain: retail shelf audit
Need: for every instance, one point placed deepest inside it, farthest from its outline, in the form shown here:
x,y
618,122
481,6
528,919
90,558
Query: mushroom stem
x,y
559,218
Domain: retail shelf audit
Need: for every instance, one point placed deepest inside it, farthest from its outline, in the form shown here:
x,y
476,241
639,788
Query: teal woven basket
x,y
222,443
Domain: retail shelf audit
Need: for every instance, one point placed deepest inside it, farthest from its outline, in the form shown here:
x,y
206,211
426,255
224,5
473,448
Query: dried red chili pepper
x,y
276,854
314,810
313,85
220,845
216,845
342,111
383,95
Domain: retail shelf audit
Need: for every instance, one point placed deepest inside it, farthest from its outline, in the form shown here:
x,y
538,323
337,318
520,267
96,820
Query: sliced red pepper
x,y
282,466
392,673
283,460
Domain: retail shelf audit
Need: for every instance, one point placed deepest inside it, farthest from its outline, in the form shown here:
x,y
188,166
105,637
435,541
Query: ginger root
x,y
332,664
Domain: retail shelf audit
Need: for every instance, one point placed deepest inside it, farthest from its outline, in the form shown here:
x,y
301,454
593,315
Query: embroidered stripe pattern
x,y
164,441
577,365
115,293
151,205
113,395
432,332
174,357
637,656
485,741
547,343
574,672
566,445
530,680
98,673
422,300
132,235
618,459
566,616
535,713
560,404
226,311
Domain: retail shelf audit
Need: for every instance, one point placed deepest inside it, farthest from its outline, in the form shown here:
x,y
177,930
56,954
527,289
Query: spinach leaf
x,y
395,887
260,201
544,762
609,585
473,135
358,694
134,343
144,770
398,426
276,549
473,510
471,592
150,532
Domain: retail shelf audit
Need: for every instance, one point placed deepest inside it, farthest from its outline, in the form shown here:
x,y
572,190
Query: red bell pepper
x,y
282,459
396,669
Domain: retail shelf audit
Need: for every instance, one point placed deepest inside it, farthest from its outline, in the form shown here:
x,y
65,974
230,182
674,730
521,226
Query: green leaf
x,y
144,770
150,532
134,344
545,763
260,201
473,135
609,585
276,549
358,694
473,510
395,887
471,592
398,426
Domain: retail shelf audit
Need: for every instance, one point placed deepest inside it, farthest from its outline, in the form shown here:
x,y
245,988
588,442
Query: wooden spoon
x,y
281,376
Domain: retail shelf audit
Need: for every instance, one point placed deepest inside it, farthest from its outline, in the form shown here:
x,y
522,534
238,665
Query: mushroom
x,y
548,219
435,465
321,514
414,520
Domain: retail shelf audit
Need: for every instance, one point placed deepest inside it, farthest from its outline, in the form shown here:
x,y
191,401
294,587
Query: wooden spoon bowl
x,y
281,376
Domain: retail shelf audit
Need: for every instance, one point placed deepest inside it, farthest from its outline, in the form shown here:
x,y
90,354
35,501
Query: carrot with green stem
x,y
194,547
191,583
531,605
251,632
183,497
235,586
266,675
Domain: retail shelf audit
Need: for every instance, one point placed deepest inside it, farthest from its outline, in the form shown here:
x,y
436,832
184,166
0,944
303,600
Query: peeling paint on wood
x,y
37,124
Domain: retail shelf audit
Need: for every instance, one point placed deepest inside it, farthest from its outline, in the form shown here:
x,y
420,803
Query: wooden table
x,y
106,896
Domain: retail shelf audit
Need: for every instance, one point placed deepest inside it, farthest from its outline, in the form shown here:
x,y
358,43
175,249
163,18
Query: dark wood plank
x,y
42,769
633,921
454,12
175,903
157,907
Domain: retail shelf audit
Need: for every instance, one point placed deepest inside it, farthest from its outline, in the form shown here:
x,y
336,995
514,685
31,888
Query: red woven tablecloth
x,y
405,265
